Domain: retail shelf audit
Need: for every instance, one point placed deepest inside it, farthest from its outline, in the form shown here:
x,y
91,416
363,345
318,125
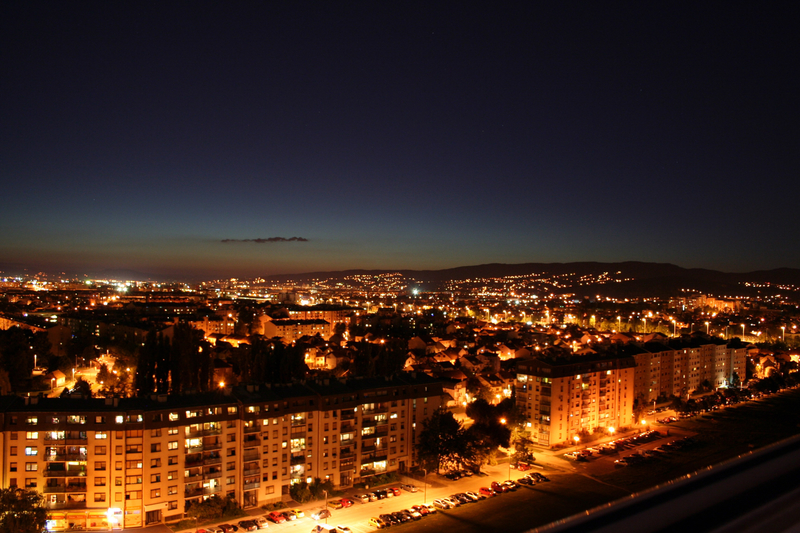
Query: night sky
x,y
244,139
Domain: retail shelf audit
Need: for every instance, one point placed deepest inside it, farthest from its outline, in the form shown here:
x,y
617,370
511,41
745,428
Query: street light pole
x,y
425,488
326,505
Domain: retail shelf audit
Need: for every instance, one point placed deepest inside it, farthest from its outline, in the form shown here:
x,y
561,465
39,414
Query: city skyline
x,y
242,141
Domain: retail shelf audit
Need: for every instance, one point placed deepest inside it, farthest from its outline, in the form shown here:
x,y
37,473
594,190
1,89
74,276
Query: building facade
x,y
563,398
134,462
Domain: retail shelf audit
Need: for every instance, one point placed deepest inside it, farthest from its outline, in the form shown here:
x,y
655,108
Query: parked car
x,y
297,513
454,475
409,488
421,509
277,517
261,522
389,519
431,508
336,504
248,525
472,496
522,466
401,517
228,528
363,498
486,491
343,529
372,496
452,502
394,490
498,487
321,514
441,503
378,522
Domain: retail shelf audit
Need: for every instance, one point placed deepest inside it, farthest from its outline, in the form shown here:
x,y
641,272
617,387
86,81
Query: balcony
x,y
255,428
212,460
188,493
347,427
377,409
348,466
67,505
212,490
66,457
252,472
73,472
211,446
253,485
251,442
193,477
250,456
194,460
49,489
348,414
212,474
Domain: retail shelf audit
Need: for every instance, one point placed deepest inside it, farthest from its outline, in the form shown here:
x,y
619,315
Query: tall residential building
x,y
683,365
133,462
562,397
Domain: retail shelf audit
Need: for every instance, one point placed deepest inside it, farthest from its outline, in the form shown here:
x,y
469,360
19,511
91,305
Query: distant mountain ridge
x,y
656,279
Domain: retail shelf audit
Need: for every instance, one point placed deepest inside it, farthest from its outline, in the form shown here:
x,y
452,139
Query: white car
x,y
261,522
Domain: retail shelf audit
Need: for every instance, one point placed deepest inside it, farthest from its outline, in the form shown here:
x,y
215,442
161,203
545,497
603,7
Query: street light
x,y
707,328
425,489
326,505
783,333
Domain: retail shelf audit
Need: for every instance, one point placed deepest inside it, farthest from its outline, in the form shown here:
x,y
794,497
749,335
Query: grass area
x,y
721,435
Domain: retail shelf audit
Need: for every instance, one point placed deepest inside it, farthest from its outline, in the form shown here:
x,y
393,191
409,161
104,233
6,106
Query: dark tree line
x,y
372,359
173,366
269,361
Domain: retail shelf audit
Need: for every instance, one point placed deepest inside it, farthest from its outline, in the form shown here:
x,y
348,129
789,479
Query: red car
x,y
486,491
346,503
498,488
421,509
276,517
394,490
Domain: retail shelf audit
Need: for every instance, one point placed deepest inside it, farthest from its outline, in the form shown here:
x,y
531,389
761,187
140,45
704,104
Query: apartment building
x,y
134,462
290,329
682,365
562,397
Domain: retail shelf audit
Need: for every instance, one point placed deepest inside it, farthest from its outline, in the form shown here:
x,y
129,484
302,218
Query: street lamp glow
x,y
611,430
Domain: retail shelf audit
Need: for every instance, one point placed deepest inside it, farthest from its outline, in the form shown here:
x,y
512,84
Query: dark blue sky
x,y
397,134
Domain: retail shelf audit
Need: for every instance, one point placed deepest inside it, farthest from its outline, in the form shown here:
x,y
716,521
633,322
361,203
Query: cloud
x,y
268,240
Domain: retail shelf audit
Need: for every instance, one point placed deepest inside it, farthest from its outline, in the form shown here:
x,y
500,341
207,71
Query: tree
x,y
440,442
213,508
22,511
